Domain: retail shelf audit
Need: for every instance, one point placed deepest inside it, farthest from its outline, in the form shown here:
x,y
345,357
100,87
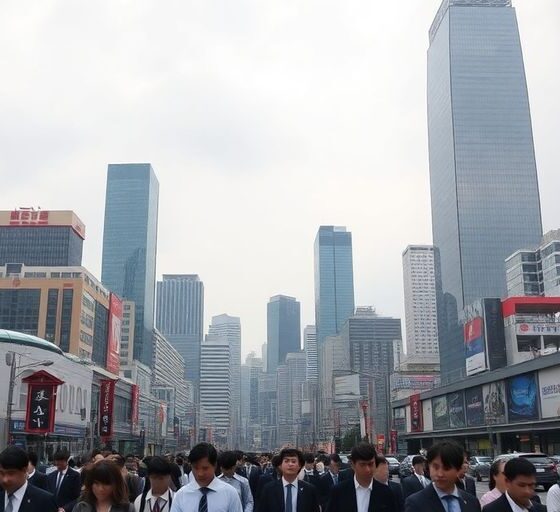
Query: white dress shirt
x,y
422,478
241,485
221,498
363,495
514,506
553,499
17,498
285,484
151,501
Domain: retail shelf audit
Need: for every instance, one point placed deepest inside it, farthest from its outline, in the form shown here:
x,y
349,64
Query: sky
x,y
262,119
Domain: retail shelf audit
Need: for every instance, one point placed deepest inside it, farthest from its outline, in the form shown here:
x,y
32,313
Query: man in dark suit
x,y
445,460
465,482
362,493
65,483
253,475
417,481
521,479
289,494
270,475
382,476
330,478
310,474
35,477
16,492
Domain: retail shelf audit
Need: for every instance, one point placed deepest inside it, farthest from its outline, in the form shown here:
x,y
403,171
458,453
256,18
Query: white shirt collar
x,y
29,475
441,493
164,496
514,506
285,482
17,496
214,485
358,486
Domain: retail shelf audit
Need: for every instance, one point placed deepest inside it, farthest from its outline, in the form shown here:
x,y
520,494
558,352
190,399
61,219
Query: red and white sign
x,y
29,218
134,404
41,401
114,334
538,329
416,424
106,401
381,443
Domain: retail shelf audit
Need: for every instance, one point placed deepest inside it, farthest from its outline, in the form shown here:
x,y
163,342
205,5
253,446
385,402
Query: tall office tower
x,y
483,176
310,349
229,328
215,387
180,318
41,238
420,300
283,329
250,372
334,280
130,244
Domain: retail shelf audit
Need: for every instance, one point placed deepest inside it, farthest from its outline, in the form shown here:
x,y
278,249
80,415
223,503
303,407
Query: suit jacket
x,y
70,487
502,505
313,479
264,480
326,483
254,475
34,500
427,499
396,489
272,499
39,480
410,485
470,486
346,474
343,498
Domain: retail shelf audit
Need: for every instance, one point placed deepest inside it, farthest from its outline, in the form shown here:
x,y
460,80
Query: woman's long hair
x,y
105,472
494,472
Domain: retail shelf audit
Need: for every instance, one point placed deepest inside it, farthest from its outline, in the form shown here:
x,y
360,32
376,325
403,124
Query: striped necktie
x,y
203,503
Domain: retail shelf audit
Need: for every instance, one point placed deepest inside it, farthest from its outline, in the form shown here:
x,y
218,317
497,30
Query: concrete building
x,y
268,411
289,392
127,334
310,349
283,329
420,300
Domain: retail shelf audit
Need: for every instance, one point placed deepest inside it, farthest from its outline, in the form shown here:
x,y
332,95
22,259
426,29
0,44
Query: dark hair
x,y
292,452
61,455
450,453
418,459
118,459
308,458
363,451
239,455
519,466
33,458
494,472
179,460
335,457
105,472
227,460
159,466
380,459
276,461
204,451
14,458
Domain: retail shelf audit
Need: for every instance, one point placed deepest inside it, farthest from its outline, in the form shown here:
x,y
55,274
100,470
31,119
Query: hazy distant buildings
x,y
483,176
291,377
310,349
283,330
130,244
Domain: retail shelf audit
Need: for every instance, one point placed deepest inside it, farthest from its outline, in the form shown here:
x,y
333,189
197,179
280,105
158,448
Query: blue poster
x,y
522,397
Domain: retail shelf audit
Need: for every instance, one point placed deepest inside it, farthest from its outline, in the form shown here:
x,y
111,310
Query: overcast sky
x,y
262,120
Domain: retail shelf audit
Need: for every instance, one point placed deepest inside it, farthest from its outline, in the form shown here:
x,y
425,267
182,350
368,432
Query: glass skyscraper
x,y
483,176
334,280
130,244
283,330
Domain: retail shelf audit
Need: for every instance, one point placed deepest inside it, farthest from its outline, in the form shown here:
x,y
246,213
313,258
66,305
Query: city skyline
x,y
383,181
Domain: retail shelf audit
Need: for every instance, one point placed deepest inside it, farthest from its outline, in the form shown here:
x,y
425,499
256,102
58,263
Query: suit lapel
x,y
434,498
300,498
2,499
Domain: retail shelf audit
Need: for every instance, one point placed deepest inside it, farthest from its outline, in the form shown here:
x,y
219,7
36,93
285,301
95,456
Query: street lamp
x,y
11,362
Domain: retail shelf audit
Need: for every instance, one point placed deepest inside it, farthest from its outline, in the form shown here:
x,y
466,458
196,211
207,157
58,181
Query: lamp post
x,y
11,362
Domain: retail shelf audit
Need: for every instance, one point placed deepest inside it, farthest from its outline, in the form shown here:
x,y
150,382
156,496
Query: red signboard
x,y
381,442
29,218
41,402
135,400
416,417
394,441
106,401
473,329
114,334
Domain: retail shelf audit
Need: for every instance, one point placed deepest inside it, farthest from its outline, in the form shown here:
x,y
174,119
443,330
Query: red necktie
x,y
156,506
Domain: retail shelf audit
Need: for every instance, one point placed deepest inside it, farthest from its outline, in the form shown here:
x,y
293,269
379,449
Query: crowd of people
x,y
290,481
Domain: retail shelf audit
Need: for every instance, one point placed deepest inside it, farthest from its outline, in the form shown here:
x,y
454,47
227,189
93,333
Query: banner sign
x,y
416,414
134,408
439,411
381,443
494,402
522,397
394,441
456,408
474,407
114,334
538,329
474,346
549,383
41,402
106,402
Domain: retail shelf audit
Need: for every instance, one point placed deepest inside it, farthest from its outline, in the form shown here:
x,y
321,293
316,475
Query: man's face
x,y
334,467
364,471
443,478
61,465
229,472
309,466
382,472
290,468
160,483
204,472
419,468
12,479
521,489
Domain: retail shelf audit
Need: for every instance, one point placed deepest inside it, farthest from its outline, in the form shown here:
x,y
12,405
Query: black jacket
x,y
34,500
502,505
326,483
410,485
427,499
343,498
254,475
70,487
470,486
39,480
272,498
396,489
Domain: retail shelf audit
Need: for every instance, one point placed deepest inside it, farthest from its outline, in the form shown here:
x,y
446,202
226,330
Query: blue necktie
x,y
452,503
288,507
203,503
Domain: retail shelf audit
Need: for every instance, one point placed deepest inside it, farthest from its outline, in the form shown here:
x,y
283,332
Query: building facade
x,y
483,176
420,300
180,318
130,245
291,377
310,349
283,329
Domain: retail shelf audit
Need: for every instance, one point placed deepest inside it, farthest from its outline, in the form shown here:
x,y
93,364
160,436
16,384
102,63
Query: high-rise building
x,y
283,329
130,244
41,238
180,318
535,271
334,280
229,328
420,300
291,377
310,349
483,176
127,334
216,388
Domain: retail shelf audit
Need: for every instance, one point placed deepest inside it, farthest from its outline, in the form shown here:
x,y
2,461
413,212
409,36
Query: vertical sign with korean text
x,y
416,423
41,402
114,334
106,401
135,398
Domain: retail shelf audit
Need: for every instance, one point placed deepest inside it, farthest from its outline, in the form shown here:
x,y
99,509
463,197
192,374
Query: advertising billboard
x,y
456,410
106,402
522,397
440,413
494,402
549,385
114,334
495,334
347,388
474,407
416,414
399,419
474,346
401,381
427,415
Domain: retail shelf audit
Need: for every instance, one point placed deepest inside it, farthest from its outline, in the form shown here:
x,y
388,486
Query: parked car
x,y
394,466
547,474
479,467
405,468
